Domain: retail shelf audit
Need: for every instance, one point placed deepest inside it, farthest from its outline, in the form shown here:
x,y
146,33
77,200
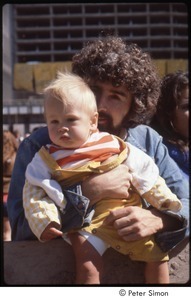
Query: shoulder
x,y
143,130
30,145
143,136
38,138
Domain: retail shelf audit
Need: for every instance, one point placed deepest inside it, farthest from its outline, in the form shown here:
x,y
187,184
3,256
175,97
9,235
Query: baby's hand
x,y
51,232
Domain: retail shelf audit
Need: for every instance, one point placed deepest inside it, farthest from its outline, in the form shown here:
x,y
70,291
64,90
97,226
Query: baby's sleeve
x,y
161,197
148,183
39,209
143,169
38,174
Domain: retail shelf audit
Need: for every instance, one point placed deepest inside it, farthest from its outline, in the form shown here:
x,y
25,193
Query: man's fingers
x,y
117,215
131,237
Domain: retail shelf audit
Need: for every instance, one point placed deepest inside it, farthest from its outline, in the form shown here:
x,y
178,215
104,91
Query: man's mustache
x,y
105,116
108,125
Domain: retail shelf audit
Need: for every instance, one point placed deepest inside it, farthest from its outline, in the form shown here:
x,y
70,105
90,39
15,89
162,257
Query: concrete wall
x,y
31,263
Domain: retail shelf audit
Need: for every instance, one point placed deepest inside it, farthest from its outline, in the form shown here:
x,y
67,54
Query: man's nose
x,y
102,102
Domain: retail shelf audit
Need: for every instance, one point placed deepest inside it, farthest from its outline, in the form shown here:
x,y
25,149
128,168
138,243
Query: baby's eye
x,y
72,119
54,121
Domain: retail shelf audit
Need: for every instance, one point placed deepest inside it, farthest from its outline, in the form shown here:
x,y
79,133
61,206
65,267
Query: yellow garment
x,y
73,176
142,250
158,195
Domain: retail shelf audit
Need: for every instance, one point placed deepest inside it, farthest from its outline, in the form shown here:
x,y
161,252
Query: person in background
x,y
172,117
78,150
17,135
10,147
126,85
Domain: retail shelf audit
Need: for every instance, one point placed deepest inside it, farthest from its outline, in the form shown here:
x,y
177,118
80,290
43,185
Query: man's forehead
x,y
121,90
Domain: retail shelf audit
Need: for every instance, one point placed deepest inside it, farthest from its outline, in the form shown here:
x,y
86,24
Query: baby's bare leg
x,y
157,272
88,261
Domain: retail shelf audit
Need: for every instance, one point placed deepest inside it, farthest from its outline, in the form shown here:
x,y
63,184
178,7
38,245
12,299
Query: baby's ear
x,y
94,121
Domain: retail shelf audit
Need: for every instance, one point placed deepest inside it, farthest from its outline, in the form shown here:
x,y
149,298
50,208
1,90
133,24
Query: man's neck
x,y
123,133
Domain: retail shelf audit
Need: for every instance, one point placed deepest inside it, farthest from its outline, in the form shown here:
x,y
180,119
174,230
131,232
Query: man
x,y
126,86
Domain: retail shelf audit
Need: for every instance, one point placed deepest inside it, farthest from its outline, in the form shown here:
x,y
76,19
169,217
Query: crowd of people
x,y
130,102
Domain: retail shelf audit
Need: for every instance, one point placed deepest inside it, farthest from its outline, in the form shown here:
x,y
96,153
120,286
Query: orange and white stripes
x,y
99,147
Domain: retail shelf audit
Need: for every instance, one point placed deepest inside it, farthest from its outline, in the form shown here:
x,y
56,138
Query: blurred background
x,y
39,39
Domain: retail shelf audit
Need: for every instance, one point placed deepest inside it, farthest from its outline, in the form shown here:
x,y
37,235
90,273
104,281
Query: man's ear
x,y
94,121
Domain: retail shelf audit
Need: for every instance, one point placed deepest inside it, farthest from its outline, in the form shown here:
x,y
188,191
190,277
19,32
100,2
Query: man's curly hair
x,y
110,59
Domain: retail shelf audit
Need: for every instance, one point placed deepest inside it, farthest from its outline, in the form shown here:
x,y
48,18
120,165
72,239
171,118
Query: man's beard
x,y
107,125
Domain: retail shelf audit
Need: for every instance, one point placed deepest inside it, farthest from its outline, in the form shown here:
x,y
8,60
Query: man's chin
x,y
104,127
107,128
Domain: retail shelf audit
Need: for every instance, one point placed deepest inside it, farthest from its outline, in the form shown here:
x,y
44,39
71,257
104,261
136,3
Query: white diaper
x,y
96,242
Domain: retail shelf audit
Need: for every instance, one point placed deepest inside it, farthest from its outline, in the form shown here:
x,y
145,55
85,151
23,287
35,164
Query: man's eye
x,y
115,98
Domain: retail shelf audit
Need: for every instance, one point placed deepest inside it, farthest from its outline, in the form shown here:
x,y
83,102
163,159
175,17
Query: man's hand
x,y
112,184
51,232
134,223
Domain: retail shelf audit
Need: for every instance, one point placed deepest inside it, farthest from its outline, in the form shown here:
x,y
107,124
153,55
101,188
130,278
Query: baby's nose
x,y
63,129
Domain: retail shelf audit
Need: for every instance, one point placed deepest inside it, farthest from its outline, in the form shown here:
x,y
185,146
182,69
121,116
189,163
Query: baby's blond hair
x,y
70,89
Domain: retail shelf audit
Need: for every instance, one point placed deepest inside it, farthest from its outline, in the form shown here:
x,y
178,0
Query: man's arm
x,y
114,183
133,223
169,228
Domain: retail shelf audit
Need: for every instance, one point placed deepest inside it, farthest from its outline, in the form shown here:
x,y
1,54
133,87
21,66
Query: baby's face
x,y
69,127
